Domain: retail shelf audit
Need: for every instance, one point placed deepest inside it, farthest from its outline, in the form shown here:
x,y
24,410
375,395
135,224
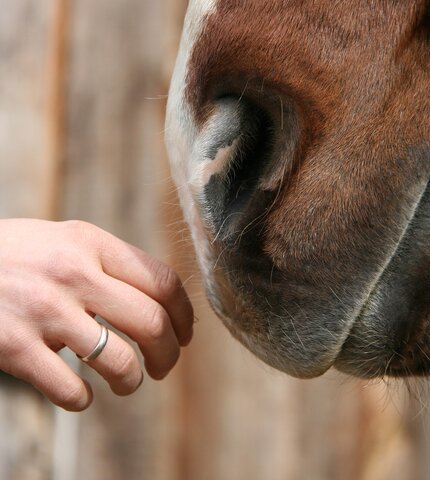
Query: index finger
x,y
131,265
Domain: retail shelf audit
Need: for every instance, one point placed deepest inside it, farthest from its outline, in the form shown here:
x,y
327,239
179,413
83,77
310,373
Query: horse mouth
x,y
391,334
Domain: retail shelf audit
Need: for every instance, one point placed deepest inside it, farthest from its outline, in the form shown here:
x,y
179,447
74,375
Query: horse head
x,y
299,139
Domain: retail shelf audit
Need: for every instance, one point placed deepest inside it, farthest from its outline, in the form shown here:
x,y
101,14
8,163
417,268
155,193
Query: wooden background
x,y
83,85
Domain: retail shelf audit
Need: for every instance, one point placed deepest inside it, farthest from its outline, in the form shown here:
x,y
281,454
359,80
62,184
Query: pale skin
x,y
54,278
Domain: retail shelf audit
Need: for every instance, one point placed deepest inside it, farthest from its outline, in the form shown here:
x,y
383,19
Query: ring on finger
x,y
98,349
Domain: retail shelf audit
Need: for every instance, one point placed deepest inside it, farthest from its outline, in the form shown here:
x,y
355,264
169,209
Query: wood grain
x,y
82,96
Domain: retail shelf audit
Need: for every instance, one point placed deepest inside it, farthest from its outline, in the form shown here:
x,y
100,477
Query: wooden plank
x,y
29,37
30,51
221,414
113,168
25,433
57,72
27,154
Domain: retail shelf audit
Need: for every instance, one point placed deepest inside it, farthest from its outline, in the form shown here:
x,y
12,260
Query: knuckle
x,y
83,232
167,281
67,268
125,363
77,227
158,323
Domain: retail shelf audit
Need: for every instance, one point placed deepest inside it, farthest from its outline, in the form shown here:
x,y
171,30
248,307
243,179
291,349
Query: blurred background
x,y
83,87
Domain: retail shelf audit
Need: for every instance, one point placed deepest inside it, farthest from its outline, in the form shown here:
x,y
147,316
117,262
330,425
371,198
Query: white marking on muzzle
x,y
204,169
181,130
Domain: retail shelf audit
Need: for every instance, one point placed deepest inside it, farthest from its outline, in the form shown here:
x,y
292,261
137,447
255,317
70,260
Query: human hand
x,y
54,278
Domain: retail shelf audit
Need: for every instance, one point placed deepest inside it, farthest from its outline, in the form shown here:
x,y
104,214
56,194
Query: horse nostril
x,y
239,142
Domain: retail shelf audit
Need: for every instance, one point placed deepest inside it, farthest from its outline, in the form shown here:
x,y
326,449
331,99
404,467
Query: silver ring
x,y
98,349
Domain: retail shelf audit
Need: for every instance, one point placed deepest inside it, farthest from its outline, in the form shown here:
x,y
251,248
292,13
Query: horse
x,y
298,134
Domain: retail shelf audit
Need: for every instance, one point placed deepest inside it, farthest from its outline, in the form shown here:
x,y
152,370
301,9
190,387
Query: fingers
x,y
49,282
117,363
141,318
135,267
47,372
138,295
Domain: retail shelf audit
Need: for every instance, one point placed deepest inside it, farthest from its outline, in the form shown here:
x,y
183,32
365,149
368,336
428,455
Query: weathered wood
x,y
25,433
82,98
114,171
28,124
27,157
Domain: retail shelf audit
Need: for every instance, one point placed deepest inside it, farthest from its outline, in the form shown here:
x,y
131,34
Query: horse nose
x,y
231,157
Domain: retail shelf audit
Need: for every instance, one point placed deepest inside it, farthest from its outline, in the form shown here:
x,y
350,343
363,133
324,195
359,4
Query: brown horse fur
x,y
319,225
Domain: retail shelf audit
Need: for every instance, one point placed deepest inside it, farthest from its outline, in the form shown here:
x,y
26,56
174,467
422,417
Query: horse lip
x,y
379,284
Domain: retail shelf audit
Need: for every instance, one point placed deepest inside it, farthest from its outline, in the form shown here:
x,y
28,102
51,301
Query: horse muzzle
x,y
295,304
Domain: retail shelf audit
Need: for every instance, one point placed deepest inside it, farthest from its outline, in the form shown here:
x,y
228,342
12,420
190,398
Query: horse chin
x,y
248,295
390,337
253,329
